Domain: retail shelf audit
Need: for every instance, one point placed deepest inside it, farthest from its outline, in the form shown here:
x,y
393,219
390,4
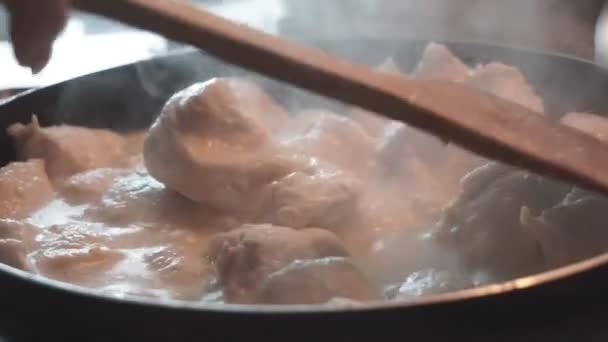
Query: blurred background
x,y
90,44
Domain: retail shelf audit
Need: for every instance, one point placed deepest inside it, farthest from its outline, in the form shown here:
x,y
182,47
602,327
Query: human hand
x,y
34,25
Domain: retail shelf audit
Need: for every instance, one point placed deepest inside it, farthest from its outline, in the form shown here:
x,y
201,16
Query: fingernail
x,y
34,58
37,65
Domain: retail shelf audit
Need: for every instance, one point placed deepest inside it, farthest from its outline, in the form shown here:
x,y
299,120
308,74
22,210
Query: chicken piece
x,y
389,66
589,123
180,269
15,236
572,230
139,199
135,142
245,257
68,150
315,282
507,82
212,143
372,123
75,252
24,187
439,63
245,96
90,185
333,138
400,143
322,199
484,221
427,166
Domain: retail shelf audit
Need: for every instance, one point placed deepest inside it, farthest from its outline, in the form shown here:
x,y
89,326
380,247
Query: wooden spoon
x,y
481,122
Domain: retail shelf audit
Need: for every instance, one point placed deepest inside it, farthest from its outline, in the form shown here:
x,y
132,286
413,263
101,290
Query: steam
x,y
557,25
531,23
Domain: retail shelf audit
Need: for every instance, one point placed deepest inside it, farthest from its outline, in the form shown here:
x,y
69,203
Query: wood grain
x,y
483,123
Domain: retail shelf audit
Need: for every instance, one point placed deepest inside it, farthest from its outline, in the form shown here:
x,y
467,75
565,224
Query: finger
x,y
34,26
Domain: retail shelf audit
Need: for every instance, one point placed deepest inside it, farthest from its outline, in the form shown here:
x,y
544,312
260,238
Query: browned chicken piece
x,y
592,124
572,230
439,63
212,143
24,187
483,222
15,236
507,82
67,150
315,282
90,185
245,257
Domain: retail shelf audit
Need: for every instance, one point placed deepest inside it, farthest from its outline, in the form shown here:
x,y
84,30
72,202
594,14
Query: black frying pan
x,y
569,304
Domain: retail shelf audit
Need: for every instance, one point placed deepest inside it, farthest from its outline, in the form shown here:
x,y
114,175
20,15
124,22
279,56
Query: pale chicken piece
x,y
332,138
427,166
323,198
507,82
68,150
439,63
213,145
76,252
589,123
90,185
135,142
24,187
399,143
138,198
15,237
372,123
315,282
180,268
389,66
245,257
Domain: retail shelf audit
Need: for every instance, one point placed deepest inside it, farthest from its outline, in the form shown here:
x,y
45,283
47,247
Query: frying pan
x,y
565,304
